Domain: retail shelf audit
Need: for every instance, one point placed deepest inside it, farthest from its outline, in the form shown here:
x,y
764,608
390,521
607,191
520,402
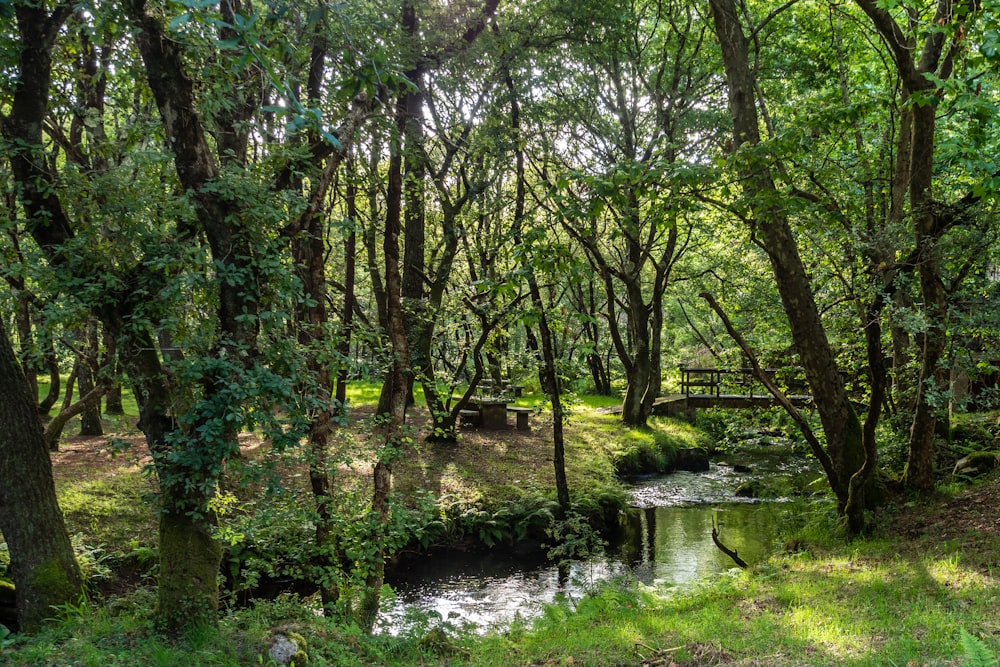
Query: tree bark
x,y
188,593
42,563
90,416
391,411
915,172
55,381
840,423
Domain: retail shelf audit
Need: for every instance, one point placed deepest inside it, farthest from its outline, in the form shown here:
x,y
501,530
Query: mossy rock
x,y
976,463
751,489
972,433
693,459
289,649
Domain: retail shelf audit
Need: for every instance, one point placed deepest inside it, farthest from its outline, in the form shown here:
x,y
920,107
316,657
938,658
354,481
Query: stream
x,y
667,541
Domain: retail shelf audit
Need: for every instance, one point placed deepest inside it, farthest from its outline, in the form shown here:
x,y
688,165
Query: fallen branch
x,y
726,550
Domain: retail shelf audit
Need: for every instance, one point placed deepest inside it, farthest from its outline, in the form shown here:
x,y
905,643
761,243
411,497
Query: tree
x,y
642,78
191,421
922,73
428,46
550,376
42,562
844,455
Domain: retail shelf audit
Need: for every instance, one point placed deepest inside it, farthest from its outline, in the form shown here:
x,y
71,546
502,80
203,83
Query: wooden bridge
x,y
728,389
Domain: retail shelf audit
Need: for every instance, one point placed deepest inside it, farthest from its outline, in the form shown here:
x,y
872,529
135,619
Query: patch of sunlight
x,y
950,572
822,630
452,481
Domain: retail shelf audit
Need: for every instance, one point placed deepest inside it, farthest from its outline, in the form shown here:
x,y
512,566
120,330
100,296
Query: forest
x,y
279,255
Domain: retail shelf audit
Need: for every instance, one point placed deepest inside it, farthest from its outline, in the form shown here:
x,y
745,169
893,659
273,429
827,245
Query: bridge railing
x,y
741,381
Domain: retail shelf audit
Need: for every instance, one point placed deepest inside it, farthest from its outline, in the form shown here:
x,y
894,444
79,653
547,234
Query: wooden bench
x,y
522,417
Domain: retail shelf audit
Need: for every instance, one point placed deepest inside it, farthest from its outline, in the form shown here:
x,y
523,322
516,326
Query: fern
x,y
977,653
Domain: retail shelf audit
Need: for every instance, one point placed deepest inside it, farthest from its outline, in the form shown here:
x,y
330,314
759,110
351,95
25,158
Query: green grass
x,y
635,450
879,601
109,510
594,401
129,405
364,393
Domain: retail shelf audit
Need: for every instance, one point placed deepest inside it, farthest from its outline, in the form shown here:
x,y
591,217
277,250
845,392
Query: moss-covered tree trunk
x,y
189,465
42,562
190,556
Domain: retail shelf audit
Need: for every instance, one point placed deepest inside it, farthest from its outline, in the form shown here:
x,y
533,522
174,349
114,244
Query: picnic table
x,y
491,413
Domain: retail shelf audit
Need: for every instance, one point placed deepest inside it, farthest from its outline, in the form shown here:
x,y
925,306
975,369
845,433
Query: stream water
x,y
667,542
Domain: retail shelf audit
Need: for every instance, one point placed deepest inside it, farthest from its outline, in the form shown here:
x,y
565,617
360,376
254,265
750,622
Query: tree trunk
x,y
188,476
588,306
549,373
190,557
633,412
42,563
55,381
350,276
22,319
53,430
409,120
90,417
918,70
113,397
391,411
636,409
840,423
933,379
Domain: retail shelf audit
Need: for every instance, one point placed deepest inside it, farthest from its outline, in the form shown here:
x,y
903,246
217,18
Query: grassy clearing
x,y
639,450
850,605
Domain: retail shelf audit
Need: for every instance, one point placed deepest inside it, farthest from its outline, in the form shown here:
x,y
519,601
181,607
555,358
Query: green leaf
x,y
179,21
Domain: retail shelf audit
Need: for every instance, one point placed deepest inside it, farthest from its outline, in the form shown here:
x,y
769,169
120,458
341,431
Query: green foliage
x,y
977,653
95,563
7,638
574,539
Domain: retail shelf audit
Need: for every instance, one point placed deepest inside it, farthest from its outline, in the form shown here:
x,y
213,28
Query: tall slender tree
x,y
844,454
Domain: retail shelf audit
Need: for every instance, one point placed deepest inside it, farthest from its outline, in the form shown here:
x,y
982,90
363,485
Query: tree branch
x,y
817,448
726,550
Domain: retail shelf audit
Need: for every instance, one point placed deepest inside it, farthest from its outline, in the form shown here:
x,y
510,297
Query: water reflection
x,y
666,541
487,590
675,543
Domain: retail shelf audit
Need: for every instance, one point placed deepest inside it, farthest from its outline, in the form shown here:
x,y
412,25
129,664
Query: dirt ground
x,y
971,519
493,454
